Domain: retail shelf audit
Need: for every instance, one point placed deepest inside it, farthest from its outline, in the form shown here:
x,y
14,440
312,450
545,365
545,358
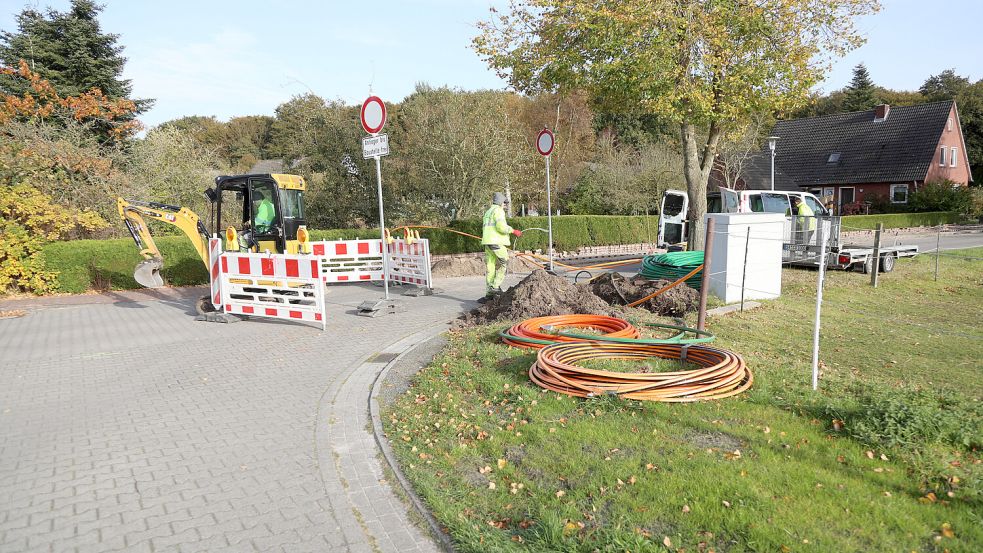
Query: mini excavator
x,y
272,220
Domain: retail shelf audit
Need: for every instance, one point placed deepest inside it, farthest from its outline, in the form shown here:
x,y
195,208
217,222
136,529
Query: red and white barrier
x,y
361,260
409,263
214,253
349,260
279,286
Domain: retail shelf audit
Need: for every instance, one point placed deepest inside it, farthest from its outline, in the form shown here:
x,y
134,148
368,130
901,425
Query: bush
x,y
899,220
941,196
82,265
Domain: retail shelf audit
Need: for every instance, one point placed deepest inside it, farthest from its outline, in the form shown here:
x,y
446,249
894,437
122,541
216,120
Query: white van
x,y
675,203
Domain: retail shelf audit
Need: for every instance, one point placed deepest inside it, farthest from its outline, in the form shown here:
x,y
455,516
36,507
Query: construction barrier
x,y
361,260
214,253
277,286
409,263
349,260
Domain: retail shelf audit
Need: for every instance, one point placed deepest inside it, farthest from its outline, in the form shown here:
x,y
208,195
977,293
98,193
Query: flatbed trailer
x,y
802,247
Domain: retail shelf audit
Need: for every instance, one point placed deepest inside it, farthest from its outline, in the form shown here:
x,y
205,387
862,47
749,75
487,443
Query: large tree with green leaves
x,y
69,50
861,93
705,65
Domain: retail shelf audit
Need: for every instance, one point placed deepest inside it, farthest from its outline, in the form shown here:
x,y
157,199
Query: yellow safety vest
x,y
495,231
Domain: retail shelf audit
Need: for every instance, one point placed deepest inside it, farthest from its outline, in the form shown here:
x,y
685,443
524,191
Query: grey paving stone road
x,y
130,426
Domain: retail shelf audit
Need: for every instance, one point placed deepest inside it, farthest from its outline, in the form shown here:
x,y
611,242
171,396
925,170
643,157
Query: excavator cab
x,y
272,210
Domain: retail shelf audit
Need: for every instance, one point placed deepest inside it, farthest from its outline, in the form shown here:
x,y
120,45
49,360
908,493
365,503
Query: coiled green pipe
x,y
673,266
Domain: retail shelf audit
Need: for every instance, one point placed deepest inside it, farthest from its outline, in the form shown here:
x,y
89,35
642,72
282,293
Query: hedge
x,y
108,264
900,220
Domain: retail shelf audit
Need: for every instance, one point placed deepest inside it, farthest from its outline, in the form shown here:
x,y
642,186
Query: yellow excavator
x,y
272,220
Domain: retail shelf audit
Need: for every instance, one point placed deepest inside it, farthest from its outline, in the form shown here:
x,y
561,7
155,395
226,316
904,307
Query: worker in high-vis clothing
x,y
495,238
805,219
265,213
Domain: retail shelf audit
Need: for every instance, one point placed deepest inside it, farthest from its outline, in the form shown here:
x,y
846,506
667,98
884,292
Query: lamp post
x,y
772,140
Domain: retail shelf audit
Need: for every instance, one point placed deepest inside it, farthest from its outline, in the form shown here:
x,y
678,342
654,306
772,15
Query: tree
x,y
69,51
704,65
860,93
944,86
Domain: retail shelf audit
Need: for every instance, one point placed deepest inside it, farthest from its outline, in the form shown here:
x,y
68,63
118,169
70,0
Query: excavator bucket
x,y
147,273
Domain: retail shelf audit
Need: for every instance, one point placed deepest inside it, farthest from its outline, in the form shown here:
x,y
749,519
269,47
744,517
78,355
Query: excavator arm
x,y
135,215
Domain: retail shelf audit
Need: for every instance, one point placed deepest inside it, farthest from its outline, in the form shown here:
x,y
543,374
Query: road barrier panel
x,y
277,286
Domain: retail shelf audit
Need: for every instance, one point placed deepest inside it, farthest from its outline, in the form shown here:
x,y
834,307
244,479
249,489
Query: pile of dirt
x,y
618,290
539,295
472,265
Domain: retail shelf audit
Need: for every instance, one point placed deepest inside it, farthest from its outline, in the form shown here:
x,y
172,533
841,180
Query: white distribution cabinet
x,y
762,233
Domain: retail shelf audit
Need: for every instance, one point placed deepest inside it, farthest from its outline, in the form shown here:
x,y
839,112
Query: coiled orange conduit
x,y
528,333
721,374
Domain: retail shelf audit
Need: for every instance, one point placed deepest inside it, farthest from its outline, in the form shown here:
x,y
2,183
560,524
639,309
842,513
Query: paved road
x,y
129,426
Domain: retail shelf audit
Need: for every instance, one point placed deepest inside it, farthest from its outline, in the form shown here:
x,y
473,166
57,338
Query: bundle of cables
x,y
721,373
673,266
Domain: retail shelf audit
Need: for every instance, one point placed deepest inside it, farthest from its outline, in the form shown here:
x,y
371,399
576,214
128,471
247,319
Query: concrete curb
x,y
403,349
732,308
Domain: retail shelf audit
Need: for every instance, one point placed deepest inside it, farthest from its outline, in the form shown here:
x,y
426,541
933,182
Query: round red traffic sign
x,y
544,142
373,114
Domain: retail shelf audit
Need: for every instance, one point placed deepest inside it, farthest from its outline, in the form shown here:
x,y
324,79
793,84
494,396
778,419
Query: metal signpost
x,y
373,117
544,145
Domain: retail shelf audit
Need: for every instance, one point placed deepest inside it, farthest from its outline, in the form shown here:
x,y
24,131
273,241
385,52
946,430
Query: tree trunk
x,y
696,168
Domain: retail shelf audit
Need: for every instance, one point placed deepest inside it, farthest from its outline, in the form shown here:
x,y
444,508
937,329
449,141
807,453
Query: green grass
x,y
901,378
900,220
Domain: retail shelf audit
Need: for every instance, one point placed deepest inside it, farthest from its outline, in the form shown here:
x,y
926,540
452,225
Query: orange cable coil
x,y
528,333
722,373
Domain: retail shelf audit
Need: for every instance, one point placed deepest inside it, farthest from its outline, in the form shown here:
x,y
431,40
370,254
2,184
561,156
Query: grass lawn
x,y
885,457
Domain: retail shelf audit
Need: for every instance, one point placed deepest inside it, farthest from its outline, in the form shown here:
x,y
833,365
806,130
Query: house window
x,y
942,156
899,193
952,157
950,124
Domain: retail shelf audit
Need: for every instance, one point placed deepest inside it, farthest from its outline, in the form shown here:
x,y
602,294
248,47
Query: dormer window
x,y
833,157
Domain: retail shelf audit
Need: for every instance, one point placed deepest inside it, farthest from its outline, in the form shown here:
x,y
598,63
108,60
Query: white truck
x,y
801,246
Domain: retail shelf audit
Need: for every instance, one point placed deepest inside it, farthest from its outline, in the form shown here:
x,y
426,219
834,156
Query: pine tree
x,y
861,93
69,50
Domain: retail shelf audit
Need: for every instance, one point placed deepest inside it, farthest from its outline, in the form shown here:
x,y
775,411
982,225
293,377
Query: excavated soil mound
x,y
471,265
618,290
539,295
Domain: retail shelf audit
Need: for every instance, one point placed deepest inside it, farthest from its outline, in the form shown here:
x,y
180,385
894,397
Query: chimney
x,y
881,111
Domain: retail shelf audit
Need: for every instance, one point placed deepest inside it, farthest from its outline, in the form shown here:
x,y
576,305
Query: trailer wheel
x,y
887,263
868,265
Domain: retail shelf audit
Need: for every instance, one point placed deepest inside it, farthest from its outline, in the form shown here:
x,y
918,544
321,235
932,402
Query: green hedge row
x,y
108,264
900,220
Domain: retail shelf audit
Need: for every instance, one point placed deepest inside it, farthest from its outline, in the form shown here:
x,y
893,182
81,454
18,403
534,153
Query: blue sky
x,y
224,58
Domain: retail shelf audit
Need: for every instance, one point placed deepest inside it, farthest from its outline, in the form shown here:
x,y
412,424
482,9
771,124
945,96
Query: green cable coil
x,y
672,266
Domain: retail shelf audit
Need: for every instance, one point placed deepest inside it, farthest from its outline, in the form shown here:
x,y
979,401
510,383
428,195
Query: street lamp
x,y
772,140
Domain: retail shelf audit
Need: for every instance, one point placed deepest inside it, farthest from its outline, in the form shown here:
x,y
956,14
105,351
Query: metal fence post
x,y
747,241
876,262
705,285
819,302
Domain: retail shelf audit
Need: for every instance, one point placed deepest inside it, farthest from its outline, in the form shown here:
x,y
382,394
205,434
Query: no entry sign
x,y
544,142
373,114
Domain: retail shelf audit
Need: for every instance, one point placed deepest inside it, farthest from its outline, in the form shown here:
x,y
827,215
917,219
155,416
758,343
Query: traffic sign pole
x,y
382,229
544,145
549,211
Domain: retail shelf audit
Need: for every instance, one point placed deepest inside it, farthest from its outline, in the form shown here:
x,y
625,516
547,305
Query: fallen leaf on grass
x,y
947,530
685,508
733,456
726,503
837,425
560,493
491,485
484,470
928,498
649,466
870,454
667,542
502,463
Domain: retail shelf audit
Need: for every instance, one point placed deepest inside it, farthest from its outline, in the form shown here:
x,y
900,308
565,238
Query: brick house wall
x,y
952,137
